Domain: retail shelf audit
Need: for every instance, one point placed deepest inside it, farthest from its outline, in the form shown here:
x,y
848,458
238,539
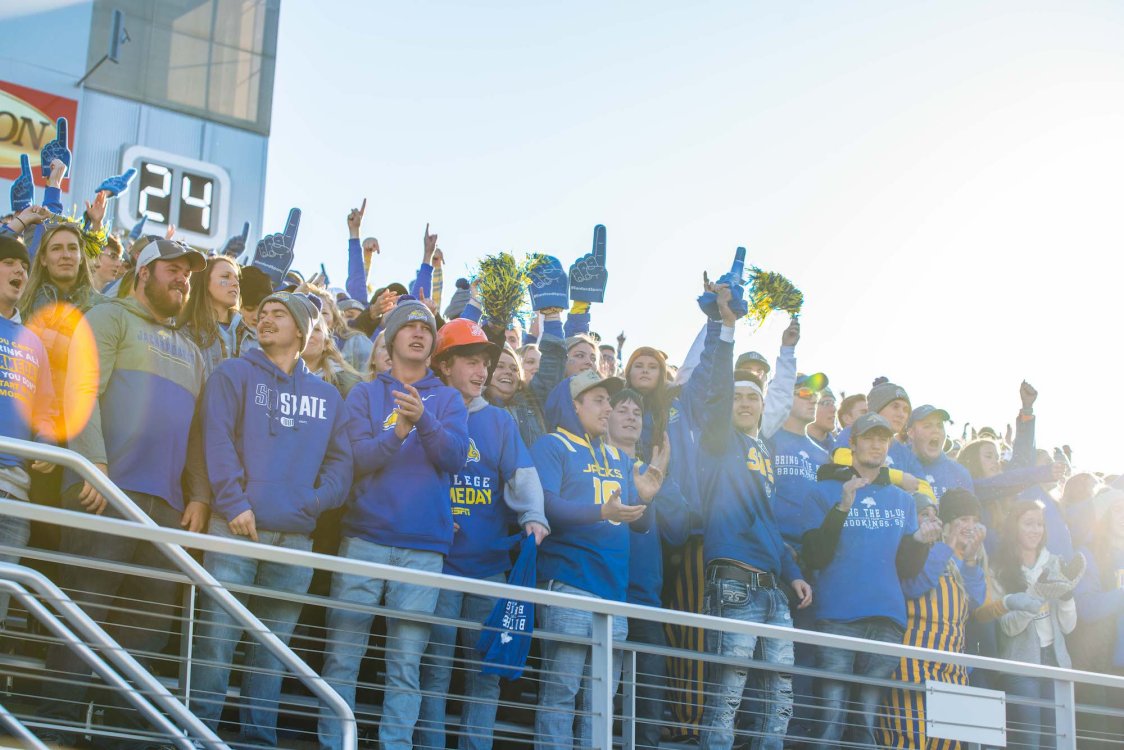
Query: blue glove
x,y
55,149
236,244
138,228
588,275
118,184
274,253
549,285
708,301
23,189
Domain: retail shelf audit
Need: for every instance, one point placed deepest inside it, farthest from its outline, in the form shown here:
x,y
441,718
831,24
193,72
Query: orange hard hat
x,y
463,333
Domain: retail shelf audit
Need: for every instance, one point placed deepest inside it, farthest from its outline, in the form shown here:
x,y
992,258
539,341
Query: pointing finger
x,y
25,166
599,244
245,231
363,208
738,268
60,130
292,225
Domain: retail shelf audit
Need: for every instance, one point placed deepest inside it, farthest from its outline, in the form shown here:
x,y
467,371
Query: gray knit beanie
x,y
304,308
408,310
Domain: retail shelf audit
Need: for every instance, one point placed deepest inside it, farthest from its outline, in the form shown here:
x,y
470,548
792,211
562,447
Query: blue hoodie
x,y
497,487
861,581
944,474
796,459
578,475
276,444
738,489
401,493
645,556
1100,595
25,399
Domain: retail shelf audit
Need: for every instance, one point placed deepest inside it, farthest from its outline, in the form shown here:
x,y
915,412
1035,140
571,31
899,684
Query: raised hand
x,y
724,298
588,275
23,188
735,280
550,287
236,245
170,232
96,210
430,246
118,184
138,228
850,487
57,172
274,253
55,149
1028,395
355,220
928,531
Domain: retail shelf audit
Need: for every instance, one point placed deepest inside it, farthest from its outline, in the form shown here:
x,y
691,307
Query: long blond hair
x,y
39,275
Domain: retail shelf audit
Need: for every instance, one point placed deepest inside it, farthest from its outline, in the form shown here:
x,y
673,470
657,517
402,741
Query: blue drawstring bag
x,y
506,638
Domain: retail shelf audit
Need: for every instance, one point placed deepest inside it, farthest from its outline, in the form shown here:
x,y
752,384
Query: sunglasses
x,y
806,393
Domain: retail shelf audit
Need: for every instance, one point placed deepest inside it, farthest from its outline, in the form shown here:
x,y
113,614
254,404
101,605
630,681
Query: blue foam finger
x,y
588,275
22,192
117,184
55,149
549,285
292,225
737,270
138,228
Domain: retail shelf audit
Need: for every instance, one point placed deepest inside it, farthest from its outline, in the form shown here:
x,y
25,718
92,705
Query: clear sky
x,y
943,180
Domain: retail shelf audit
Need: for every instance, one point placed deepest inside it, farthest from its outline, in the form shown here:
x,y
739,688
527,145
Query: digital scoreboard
x,y
173,189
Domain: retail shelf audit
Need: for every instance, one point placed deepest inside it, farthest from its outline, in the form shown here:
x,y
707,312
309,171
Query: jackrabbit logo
x,y
473,453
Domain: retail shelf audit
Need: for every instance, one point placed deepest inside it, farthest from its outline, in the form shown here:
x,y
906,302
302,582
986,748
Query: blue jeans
x,y
218,634
481,691
1031,726
738,601
866,699
141,624
651,681
564,665
406,639
14,532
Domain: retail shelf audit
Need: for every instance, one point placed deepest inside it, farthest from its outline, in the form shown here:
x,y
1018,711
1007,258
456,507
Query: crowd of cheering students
x,y
389,430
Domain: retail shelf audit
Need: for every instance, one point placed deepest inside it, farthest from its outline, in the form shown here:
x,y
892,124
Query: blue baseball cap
x,y
926,410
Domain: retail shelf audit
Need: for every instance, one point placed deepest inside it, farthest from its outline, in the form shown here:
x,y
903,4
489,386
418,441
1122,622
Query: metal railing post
x,y
628,700
11,578
199,575
601,681
19,732
187,643
1065,711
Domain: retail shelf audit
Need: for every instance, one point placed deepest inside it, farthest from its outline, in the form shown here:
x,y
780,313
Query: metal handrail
x,y
13,579
16,728
175,552
538,596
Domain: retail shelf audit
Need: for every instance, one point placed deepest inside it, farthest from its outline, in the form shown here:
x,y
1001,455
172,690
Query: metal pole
x,y
16,728
601,681
10,574
629,686
1065,710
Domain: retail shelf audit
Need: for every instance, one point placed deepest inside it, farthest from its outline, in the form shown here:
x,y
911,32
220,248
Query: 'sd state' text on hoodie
x,y
276,444
144,390
401,493
578,476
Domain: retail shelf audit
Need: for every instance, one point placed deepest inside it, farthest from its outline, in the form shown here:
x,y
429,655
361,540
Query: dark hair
x,y
1008,561
969,456
751,377
198,316
627,394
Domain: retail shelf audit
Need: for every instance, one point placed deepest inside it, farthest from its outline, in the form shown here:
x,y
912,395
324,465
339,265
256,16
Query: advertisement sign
x,y
27,122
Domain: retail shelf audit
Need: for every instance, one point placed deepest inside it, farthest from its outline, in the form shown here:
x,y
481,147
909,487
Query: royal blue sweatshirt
x,y
356,284
579,474
645,558
936,565
861,581
684,428
276,444
736,472
944,474
26,397
401,492
497,487
796,459
1100,595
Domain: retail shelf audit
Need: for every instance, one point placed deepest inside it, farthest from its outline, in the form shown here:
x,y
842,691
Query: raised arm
x,y
778,399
